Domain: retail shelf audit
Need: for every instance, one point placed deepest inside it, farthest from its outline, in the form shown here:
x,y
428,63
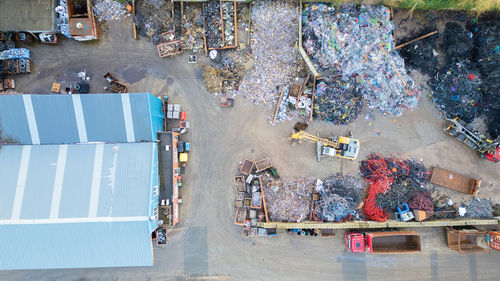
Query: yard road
x,y
206,245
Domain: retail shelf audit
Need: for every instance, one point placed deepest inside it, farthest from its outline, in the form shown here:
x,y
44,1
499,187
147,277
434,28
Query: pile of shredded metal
x,y
273,39
339,198
153,17
105,10
479,208
337,101
288,200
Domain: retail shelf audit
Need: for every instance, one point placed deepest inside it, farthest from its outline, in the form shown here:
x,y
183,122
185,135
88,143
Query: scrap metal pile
x,y
479,208
349,41
13,60
223,77
288,200
273,40
220,23
295,102
105,10
407,177
250,197
228,17
339,198
153,17
487,39
456,86
344,108
192,28
467,84
455,90
213,24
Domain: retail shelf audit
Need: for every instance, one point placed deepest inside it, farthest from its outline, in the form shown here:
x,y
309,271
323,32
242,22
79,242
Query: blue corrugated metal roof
x,y
77,205
119,176
75,245
56,119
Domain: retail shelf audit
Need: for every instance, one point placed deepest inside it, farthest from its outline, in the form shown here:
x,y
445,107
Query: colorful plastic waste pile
x,y
351,41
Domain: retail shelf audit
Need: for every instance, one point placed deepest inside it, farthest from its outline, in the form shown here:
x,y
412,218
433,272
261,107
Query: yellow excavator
x,y
343,147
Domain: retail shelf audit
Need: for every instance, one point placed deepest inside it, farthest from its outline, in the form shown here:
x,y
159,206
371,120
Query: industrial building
x,y
58,119
80,181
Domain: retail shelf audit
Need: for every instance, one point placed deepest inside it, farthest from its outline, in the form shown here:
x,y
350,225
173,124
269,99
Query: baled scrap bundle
x,y
339,198
288,200
273,40
349,41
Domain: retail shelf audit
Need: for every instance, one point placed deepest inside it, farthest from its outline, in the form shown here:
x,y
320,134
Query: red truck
x,y
384,242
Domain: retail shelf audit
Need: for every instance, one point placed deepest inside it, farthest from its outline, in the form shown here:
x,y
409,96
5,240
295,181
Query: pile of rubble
x,y
356,41
273,40
105,10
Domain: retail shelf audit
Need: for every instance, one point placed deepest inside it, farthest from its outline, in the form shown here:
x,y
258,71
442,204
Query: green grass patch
x,y
478,6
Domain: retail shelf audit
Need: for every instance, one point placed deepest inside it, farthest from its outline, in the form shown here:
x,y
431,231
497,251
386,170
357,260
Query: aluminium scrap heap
x,y
349,41
273,39
105,10
288,200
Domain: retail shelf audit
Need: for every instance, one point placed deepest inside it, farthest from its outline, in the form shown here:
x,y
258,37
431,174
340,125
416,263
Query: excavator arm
x,y
312,138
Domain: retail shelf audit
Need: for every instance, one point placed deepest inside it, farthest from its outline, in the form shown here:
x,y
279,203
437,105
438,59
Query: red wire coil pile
x,y
380,171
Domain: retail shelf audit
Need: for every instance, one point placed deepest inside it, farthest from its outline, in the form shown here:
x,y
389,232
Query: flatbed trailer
x,y
455,181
